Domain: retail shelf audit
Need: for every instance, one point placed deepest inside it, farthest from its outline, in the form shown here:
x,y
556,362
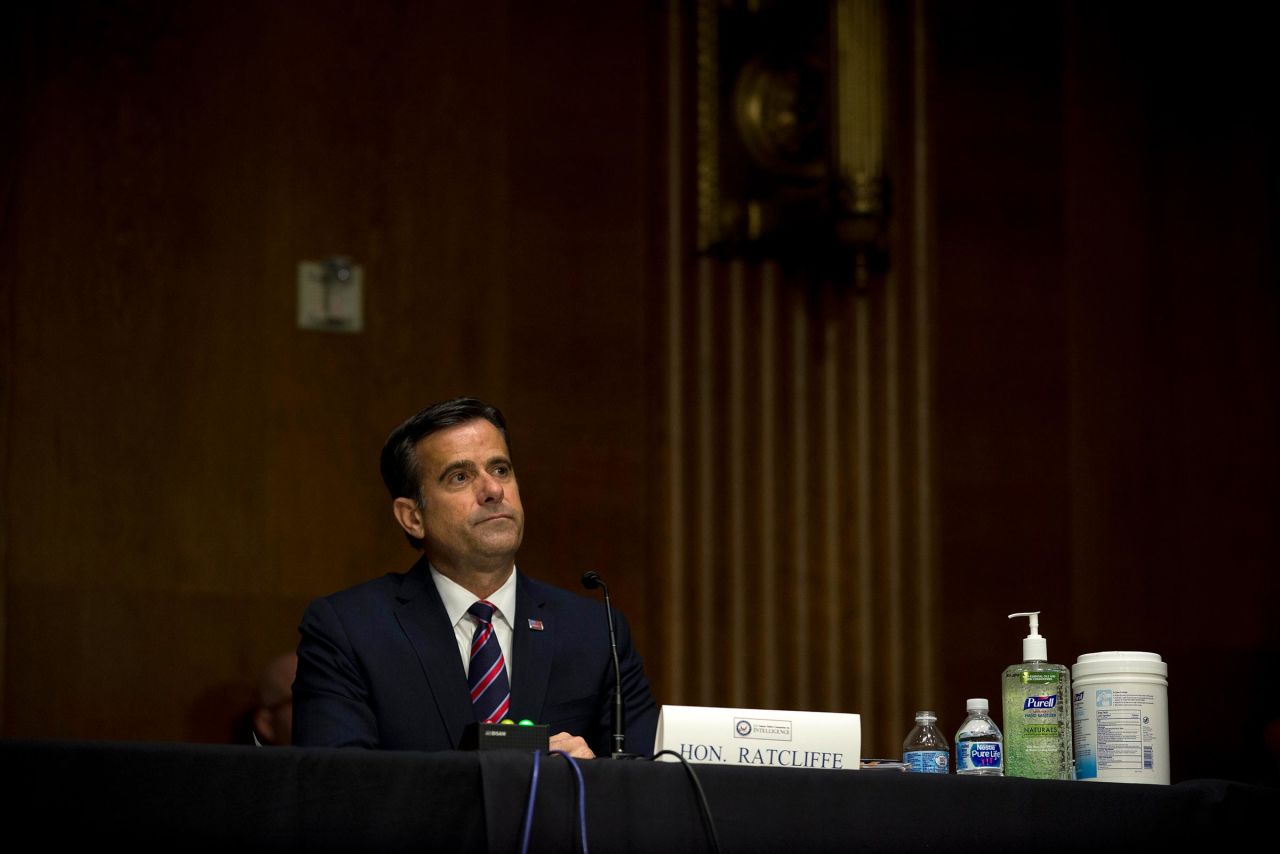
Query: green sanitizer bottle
x,y
1037,712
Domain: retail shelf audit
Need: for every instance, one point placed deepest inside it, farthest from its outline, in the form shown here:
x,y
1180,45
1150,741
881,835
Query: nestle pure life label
x,y
975,755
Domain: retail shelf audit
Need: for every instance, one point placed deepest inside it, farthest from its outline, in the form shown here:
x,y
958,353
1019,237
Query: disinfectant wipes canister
x,y
1120,711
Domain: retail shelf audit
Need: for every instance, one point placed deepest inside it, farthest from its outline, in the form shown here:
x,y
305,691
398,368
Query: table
x,y
216,798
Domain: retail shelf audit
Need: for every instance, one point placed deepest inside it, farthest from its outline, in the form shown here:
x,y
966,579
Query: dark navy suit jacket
x,y
378,666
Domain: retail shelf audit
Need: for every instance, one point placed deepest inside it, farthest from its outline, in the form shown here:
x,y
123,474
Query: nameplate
x,y
768,738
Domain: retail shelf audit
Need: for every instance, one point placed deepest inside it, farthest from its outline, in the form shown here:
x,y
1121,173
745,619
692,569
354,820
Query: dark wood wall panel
x,y
1065,398
1172,228
184,467
1107,313
1001,422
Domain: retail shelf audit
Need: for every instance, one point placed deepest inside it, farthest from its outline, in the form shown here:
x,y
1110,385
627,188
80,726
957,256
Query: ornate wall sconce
x,y
791,133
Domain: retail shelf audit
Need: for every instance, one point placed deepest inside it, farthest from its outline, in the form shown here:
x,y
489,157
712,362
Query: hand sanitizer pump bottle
x,y
1036,698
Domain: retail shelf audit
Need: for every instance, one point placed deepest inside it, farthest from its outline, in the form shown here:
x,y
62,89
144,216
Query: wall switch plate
x,y
331,295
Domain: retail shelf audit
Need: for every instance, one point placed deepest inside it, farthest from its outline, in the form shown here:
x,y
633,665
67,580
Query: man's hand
x,y
572,745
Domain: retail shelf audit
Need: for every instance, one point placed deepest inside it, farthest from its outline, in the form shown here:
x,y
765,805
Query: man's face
x,y
471,519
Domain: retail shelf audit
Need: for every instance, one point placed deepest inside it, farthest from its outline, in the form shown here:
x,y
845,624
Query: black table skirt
x,y
197,797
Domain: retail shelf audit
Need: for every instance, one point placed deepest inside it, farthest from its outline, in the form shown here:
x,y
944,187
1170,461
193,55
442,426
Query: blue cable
x,y
582,798
528,812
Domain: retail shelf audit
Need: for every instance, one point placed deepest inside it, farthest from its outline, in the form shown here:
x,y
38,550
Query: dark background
x,y
183,468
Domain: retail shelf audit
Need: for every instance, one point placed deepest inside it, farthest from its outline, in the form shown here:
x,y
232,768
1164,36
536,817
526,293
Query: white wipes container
x,y
1120,707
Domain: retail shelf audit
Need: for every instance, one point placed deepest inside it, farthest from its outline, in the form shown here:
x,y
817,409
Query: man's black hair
x,y
399,462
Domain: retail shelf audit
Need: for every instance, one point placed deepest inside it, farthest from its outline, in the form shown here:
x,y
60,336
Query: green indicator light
x,y
526,722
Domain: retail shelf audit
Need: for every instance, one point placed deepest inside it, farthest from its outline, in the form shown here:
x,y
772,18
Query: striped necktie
x,y
487,672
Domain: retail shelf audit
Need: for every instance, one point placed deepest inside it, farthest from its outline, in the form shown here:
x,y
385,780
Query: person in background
x,y
273,717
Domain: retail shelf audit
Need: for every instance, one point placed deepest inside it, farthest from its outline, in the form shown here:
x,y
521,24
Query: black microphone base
x,y
505,737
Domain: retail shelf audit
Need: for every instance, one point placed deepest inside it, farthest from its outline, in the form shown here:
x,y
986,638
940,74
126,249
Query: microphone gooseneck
x,y
591,580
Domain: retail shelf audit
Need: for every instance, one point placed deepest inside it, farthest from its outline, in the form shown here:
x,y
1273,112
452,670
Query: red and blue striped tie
x,y
487,672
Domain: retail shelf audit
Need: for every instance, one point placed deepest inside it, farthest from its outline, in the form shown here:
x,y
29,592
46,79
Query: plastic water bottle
x,y
979,746
926,751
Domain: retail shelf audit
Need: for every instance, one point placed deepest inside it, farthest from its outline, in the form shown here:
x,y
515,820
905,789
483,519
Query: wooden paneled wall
x,y
183,467
1069,376
797,575
1063,395
1105,202
796,464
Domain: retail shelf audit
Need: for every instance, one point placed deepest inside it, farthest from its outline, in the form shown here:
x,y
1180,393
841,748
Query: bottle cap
x,y
977,704
1034,647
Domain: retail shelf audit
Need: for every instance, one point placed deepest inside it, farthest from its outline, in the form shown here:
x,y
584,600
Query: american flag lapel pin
x,y
536,625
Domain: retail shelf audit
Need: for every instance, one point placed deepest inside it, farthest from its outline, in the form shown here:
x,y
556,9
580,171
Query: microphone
x,y
591,580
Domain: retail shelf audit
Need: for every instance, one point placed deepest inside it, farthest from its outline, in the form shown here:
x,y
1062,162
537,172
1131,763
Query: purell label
x,y
1049,702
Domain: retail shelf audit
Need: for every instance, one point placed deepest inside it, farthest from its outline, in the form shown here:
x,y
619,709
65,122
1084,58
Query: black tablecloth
x,y
291,799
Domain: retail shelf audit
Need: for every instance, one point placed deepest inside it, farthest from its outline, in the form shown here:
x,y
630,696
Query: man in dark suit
x,y
408,661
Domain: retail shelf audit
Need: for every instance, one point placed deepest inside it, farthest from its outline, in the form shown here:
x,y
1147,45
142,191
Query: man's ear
x,y
409,516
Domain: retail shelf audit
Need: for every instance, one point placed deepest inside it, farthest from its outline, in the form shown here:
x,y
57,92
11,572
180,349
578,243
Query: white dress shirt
x,y
457,599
